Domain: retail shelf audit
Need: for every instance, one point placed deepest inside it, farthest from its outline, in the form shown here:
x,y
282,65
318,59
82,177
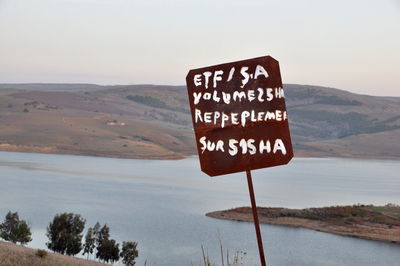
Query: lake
x,y
161,204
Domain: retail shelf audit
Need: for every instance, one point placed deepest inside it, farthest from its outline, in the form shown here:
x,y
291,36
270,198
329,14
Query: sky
x,y
351,45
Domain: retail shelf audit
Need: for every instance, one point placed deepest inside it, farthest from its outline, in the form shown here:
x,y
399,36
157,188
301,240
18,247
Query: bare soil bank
x,y
381,223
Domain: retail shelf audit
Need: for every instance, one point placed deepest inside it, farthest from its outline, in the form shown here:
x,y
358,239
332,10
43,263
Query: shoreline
x,y
102,154
373,228
52,150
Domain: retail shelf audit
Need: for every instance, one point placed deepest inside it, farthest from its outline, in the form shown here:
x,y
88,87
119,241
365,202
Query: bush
x,y
41,253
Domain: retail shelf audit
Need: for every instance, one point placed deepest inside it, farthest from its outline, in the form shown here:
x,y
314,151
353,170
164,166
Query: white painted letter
x,y
207,96
197,80
250,145
270,96
207,75
266,146
250,95
225,117
197,97
243,144
244,116
216,116
207,117
278,115
260,94
226,97
232,147
231,74
215,97
217,77
220,146
260,71
203,142
239,95
279,146
210,145
197,115
245,75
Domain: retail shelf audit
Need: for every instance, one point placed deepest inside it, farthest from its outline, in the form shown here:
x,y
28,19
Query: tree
x,y
64,233
129,253
15,230
108,251
91,239
102,234
89,245
22,232
96,230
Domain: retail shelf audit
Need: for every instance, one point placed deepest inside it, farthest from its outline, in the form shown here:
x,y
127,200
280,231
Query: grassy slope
x,y
72,119
15,255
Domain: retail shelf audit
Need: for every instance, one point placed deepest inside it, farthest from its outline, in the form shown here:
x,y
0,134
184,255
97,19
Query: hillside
x,y
15,255
153,122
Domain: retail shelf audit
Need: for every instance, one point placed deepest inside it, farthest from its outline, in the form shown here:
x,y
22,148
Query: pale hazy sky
x,y
352,45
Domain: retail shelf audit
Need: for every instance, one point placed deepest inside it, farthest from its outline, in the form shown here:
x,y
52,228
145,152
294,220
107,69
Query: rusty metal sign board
x,y
239,116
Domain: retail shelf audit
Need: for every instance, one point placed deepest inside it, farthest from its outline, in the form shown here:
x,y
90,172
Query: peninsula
x,y
381,223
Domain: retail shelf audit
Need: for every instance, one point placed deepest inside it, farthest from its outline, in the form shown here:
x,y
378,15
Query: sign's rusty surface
x,y
239,116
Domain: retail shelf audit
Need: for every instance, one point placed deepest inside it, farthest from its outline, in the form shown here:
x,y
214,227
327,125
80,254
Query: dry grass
x,y
14,255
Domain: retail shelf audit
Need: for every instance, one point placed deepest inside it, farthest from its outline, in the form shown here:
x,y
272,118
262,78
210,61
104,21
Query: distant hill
x,y
153,121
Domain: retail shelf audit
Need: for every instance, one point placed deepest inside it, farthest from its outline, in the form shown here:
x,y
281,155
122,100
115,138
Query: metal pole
x,y
255,218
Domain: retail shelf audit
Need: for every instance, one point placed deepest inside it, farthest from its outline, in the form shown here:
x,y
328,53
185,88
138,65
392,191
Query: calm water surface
x,y
161,204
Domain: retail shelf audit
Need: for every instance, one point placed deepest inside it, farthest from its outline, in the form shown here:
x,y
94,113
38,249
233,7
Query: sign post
x,y
240,120
255,218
